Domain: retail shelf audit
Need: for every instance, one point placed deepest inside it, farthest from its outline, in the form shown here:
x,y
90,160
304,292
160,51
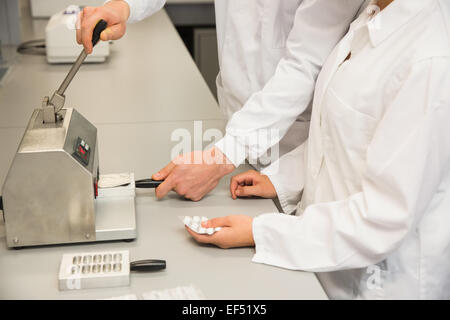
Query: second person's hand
x,y
115,13
252,184
237,231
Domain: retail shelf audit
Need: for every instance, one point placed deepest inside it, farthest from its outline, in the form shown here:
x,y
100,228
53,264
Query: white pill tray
x,y
94,270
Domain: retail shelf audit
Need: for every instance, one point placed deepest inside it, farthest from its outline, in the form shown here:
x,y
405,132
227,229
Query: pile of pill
x,y
195,224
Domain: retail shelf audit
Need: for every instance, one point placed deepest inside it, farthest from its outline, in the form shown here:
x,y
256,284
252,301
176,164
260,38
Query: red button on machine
x,y
96,189
82,151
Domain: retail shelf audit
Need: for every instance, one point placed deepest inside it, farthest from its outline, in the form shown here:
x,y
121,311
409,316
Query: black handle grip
x,y
147,265
99,27
148,183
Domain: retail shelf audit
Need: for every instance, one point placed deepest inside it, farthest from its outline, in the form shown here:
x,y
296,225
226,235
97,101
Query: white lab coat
x,y
270,53
375,211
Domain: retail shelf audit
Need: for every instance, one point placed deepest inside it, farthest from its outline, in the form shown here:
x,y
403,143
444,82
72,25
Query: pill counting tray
x,y
94,270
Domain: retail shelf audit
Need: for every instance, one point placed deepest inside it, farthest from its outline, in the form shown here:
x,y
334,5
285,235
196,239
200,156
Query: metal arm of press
x,y
52,106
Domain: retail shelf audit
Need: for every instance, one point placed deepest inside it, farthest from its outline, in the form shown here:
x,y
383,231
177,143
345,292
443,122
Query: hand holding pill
x,y
235,231
195,224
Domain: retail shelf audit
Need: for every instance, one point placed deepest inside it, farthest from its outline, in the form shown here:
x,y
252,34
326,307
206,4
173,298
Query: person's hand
x,y
252,184
115,13
236,232
193,175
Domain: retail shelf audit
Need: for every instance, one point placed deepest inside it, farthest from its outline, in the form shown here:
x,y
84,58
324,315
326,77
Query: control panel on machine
x,y
82,151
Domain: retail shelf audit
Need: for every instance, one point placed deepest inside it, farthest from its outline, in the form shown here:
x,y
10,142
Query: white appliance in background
x,y
46,8
60,39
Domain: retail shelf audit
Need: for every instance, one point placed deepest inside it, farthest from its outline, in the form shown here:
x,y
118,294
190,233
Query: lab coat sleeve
x,y
141,9
318,26
406,160
287,175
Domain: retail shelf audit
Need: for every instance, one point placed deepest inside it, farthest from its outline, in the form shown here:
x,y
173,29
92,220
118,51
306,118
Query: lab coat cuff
x,y
267,244
134,11
262,238
288,199
232,149
258,238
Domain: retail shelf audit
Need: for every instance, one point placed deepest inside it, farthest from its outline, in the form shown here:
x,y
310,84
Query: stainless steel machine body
x,y
49,195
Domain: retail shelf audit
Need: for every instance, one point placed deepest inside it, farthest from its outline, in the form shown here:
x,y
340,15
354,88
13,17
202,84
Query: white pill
x,y
210,231
187,220
217,229
202,230
194,226
204,219
196,219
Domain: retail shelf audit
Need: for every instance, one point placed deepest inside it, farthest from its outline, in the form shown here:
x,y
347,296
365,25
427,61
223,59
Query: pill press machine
x,y
51,194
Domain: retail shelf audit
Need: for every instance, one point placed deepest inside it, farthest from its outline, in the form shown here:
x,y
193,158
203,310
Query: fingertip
x,y
104,35
158,194
87,49
163,189
164,172
156,176
197,237
190,232
232,192
218,222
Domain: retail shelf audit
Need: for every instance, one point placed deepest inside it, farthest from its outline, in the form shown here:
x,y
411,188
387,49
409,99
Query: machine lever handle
x,y
57,99
99,27
147,265
148,183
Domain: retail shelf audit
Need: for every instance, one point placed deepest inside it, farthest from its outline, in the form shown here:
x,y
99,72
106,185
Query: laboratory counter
x,y
148,88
